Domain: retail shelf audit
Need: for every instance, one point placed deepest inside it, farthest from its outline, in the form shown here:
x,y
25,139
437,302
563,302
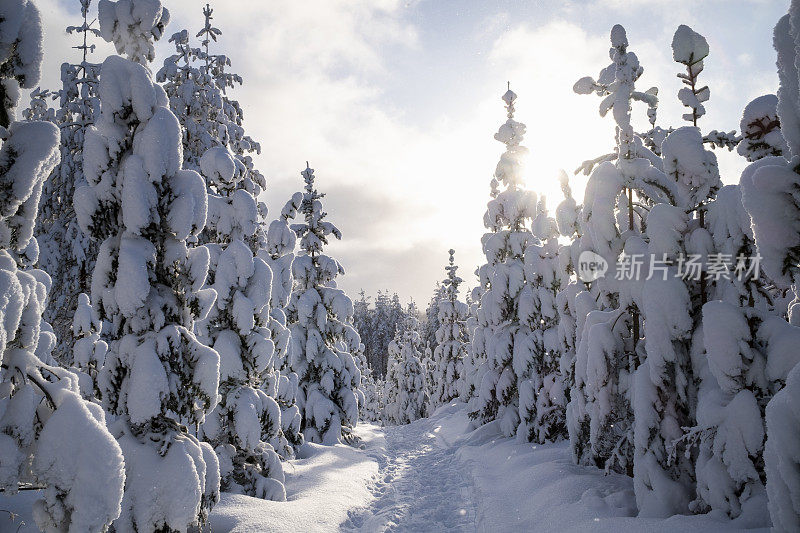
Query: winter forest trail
x,y
421,485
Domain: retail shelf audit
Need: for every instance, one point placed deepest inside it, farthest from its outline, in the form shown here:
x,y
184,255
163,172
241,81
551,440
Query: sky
x,y
394,103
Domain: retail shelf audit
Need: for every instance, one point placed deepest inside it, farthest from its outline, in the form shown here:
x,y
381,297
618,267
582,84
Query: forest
x,y
176,357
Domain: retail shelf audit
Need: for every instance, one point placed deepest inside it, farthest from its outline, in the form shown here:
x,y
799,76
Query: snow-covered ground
x,y
435,475
322,487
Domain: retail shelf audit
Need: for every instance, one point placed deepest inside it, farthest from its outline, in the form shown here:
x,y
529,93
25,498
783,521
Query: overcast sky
x,y
395,103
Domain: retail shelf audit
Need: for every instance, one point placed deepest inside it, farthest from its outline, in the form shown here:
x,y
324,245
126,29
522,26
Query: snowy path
x,y
436,475
421,486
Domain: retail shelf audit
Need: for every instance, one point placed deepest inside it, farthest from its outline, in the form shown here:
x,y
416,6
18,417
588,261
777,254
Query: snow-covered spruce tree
x,y
382,332
197,82
500,330
770,195
674,330
600,412
542,398
245,426
241,326
365,322
323,339
370,392
783,421
148,283
671,299
451,339
49,435
733,384
761,129
279,255
66,253
406,394
690,48
429,369
365,373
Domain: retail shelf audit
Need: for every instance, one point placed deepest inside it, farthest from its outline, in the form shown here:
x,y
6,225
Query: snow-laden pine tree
x,y
500,330
245,426
279,255
49,435
542,395
197,82
451,339
370,392
729,364
672,300
616,201
362,322
148,283
323,338
770,195
406,395
66,253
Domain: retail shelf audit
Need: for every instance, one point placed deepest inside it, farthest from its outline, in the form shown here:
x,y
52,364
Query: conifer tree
x,y
49,435
197,84
616,202
770,196
373,408
451,339
406,394
148,282
66,253
507,218
568,217
664,479
541,386
89,350
323,338
429,369
245,426
279,255
728,362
